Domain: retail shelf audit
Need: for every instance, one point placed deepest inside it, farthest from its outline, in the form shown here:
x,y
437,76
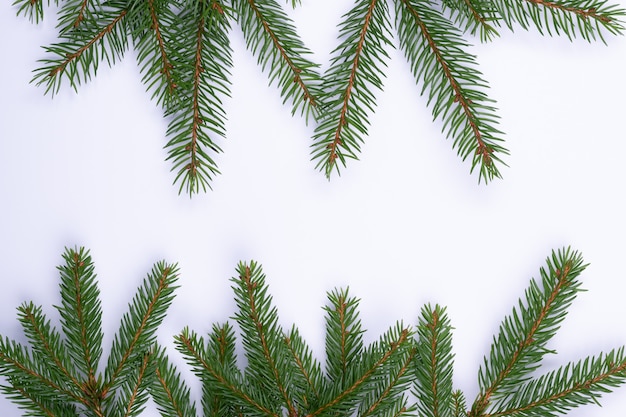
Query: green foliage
x,y
58,374
184,55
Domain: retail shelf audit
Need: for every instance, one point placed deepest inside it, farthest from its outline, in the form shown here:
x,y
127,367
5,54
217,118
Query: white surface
x,y
403,226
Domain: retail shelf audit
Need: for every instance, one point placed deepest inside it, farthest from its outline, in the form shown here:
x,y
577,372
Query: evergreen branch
x,y
473,16
170,393
309,369
355,69
137,330
458,404
272,38
26,374
59,376
78,56
433,382
438,60
568,387
520,344
202,68
81,314
74,13
152,40
587,18
204,366
386,396
344,338
373,364
37,405
263,340
221,344
133,394
31,9
47,345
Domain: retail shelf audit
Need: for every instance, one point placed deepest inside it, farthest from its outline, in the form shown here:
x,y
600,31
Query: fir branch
x,y
25,373
355,70
269,367
184,56
281,377
273,39
151,33
433,382
448,73
344,338
47,344
169,391
222,344
202,68
520,345
309,370
137,332
473,16
31,9
568,387
373,364
58,375
207,368
587,18
458,404
387,394
84,43
81,314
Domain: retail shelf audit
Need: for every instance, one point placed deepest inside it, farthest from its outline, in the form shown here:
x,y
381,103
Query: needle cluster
x,y
184,54
408,371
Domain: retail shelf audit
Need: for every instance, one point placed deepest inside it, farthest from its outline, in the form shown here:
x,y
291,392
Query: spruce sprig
x,y
184,55
281,376
58,374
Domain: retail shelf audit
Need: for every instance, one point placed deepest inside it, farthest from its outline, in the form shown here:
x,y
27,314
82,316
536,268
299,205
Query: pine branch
x,y
520,345
170,393
201,49
356,68
309,374
136,336
222,345
387,393
585,18
473,16
458,404
449,74
568,387
269,368
81,314
433,382
85,40
184,56
281,377
31,9
344,338
152,35
272,38
212,372
58,375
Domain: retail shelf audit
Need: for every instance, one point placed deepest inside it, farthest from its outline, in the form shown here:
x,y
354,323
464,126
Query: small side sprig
x,y
57,375
506,384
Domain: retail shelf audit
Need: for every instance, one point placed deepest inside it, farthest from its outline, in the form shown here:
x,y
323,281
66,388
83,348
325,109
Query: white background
x,y
403,226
